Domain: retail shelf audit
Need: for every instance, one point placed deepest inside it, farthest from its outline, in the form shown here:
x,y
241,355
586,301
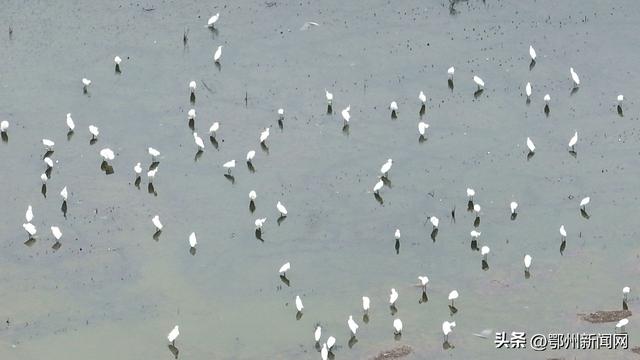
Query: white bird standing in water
x,y
284,268
259,223
527,261
620,99
48,162
64,194
447,328
198,141
229,165
252,195
4,125
117,60
573,141
44,178
393,297
107,154
470,193
281,209
346,116
450,72
281,113
422,97
299,305
366,304
378,186
70,124
213,20
29,228
475,234
476,209
329,97
173,335
422,128
424,280
393,106
330,342
532,53
191,114
154,154
48,144
137,169
250,155
484,251
94,131
29,214
397,234
353,326
514,207
317,334
56,233
530,145
156,222
434,221
453,295
386,167
563,232
584,202
192,240
397,326
264,135
478,82
527,89
324,352
151,174
218,54
192,86
574,77
85,83
625,292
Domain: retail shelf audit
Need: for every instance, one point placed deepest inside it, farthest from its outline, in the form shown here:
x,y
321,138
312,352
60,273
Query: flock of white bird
x,y
328,345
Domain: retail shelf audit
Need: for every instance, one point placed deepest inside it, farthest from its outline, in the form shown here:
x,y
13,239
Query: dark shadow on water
x,y
298,315
434,234
151,189
574,90
563,246
5,137
47,153
532,64
423,298
584,214
421,139
250,167
514,216
252,206
478,93
218,66
485,265
93,141
48,172
280,124
264,147
620,112
213,141
573,153
108,169
198,155
476,222
56,246
446,345
192,124
625,306
30,241
352,341
174,351
474,245
231,178
452,310
281,218
258,234
450,84
397,247
117,69
365,318
193,251
63,208
528,101
137,182
397,337
378,198
345,129
423,109
530,155
284,280
70,135
154,165
329,109
393,309
527,274
394,115
156,235
546,110
43,190
470,206
386,181
192,98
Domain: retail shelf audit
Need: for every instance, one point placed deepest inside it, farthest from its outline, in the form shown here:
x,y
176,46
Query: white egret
x,y
151,174
393,106
85,83
191,114
471,193
29,228
434,221
64,193
229,165
29,214
192,86
281,209
422,97
563,232
422,127
4,125
346,116
252,195
56,232
424,280
353,326
514,207
330,342
218,54
527,261
532,53
156,222
450,72
260,223
478,82
44,178
584,202
476,209
284,268
397,234
447,328
620,99
574,77
530,145
154,154
70,124
484,251
48,144
625,292
107,154
453,295
198,140
48,162
317,334
475,234
250,155
366,303
117,60
324,352
397,326
573,141
299,305
137,169
386,167
213,20
281,113
378,186
192,240
173,335
527,89
264,135
329,97
214,128
94,131
393,297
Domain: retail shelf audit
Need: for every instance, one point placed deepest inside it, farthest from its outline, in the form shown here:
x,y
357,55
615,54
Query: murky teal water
x,y
113,291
